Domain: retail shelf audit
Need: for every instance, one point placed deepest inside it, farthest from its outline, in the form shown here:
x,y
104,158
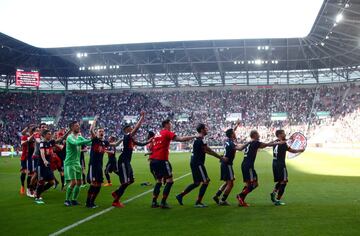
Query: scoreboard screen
x,y
30,79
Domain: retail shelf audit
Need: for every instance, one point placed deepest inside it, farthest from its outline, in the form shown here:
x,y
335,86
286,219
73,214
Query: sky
x,y
64,23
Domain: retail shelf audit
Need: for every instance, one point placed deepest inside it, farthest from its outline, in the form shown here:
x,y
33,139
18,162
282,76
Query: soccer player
x,y
84,150
197,164
159,162
95,173
36,153
226,168
23,159
249,174
125,170
279,167
111,164
60,151
72,167
30,161
150,146
44,172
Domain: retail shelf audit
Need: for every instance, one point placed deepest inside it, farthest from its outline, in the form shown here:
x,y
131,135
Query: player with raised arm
x,y
159,162
95,172
125,170
279,167
198,170
72,167
36,154
226,168
249,174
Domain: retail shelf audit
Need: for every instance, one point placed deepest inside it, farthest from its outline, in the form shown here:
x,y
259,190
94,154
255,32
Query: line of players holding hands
x,y
44,153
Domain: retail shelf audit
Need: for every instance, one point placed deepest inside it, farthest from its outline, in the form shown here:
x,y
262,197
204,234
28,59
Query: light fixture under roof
x,y
339,17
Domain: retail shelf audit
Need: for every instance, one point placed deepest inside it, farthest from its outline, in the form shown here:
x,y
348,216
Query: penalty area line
x,y
63,230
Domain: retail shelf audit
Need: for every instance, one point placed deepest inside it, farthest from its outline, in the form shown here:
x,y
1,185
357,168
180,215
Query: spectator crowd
x,y
186,109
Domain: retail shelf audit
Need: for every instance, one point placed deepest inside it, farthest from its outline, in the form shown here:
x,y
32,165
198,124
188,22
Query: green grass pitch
x,y
317,204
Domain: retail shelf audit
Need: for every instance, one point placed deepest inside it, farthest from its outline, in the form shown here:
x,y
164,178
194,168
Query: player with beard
x,y
159,162
72,167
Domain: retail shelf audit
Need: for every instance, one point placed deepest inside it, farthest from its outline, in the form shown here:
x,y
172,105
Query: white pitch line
x,y
63,230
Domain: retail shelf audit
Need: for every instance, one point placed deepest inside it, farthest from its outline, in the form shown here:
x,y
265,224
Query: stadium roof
x,y
90,22
332,46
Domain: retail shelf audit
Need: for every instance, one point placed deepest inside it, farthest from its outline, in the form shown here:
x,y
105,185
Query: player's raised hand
x,y
142,113
96,117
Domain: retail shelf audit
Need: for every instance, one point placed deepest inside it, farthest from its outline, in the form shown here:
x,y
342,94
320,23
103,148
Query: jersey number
x,y
276,152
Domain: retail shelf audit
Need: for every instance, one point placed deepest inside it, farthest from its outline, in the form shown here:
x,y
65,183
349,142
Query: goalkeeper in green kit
x,y
72,167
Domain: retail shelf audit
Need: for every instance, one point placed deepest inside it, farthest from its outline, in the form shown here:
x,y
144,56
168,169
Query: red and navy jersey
x,y
198,153
48,148
24,147
279,153
230,151
97,151
161,144
250,152
128,147
111,156
61,152
31,148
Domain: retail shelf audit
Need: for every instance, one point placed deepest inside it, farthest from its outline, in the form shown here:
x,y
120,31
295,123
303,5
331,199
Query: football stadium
x,y
136,117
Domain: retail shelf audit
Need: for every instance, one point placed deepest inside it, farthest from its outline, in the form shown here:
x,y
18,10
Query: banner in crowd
x,y
89,119
182,117
279,116
233,117
130,119
323,114
48,120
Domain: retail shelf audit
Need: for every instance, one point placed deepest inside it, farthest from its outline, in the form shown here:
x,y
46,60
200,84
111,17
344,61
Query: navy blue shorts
x,y
249,173
161,169
280,173
125,172
95,174
111,166
30,165
45,173
36,163
227,172
199,173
